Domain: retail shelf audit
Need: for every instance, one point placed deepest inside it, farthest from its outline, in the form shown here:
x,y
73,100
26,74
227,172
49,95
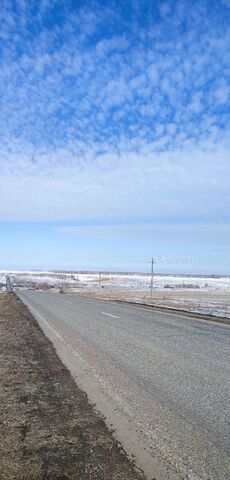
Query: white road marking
x,y
110,315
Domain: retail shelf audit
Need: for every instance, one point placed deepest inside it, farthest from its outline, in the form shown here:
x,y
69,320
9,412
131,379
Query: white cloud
x,y
165,9
187,184
222,93
118,126
150,231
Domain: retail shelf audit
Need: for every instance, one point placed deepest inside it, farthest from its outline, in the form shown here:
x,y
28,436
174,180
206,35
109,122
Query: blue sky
x,y
115,134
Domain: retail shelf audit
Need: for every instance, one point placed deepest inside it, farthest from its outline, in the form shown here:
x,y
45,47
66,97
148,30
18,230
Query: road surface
x,y
161,380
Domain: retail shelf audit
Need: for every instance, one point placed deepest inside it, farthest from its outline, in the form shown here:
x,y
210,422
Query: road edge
x,y
148,306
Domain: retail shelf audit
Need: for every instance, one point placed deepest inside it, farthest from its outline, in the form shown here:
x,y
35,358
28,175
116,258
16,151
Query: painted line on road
x,y
110,315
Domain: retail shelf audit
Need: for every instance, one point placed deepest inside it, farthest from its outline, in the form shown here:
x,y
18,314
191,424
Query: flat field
x,y
200,294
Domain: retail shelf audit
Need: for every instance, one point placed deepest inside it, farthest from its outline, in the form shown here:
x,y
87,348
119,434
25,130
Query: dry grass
x,y
206,303
48,429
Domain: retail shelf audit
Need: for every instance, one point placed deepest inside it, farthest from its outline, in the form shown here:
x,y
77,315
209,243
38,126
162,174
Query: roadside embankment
x,y
48,429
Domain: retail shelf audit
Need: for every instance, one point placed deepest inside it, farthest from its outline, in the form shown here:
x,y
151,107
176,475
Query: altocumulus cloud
x,y
115,111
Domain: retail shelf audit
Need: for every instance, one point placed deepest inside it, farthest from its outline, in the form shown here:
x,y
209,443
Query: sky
x,y
115,135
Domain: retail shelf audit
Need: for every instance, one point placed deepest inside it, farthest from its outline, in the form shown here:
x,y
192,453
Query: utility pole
x,y
99,280
152,262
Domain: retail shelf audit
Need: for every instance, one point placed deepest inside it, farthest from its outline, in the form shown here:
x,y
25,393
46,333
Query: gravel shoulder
x,y
48,428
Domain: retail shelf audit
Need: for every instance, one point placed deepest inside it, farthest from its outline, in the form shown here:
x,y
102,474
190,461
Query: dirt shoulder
x,y
48,429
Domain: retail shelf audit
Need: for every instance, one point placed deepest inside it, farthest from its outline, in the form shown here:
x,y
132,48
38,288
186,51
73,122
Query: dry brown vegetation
x,y
211,304
48,429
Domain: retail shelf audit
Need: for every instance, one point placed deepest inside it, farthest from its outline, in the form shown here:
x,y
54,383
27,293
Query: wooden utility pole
x,y
152,262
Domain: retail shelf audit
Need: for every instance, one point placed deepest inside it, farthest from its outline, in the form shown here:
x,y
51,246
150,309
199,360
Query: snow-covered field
x,y
117,281
209,295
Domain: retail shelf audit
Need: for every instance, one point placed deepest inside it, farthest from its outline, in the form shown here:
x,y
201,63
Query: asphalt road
x,y
161,380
